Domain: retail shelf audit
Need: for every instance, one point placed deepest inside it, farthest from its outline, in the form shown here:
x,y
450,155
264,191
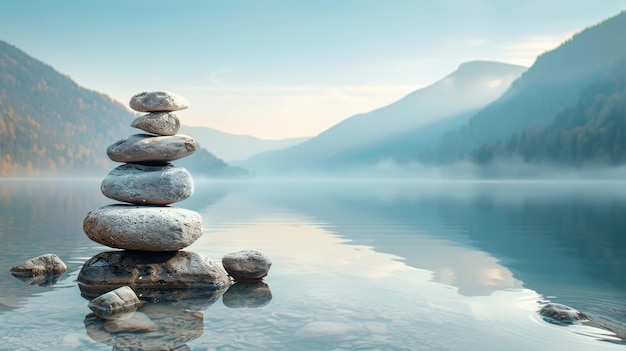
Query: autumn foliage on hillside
x,y
50,126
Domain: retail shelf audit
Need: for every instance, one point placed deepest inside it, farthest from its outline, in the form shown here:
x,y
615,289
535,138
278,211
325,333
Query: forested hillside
x,y
50,126
591,131
556,82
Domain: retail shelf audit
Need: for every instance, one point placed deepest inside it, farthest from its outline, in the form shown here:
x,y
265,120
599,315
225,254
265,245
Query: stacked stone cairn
x,y
150,231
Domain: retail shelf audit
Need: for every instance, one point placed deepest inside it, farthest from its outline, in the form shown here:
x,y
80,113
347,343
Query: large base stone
x,y
154,276
144,228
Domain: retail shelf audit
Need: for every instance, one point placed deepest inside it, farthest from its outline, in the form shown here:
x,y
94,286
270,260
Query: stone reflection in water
x,y
158,326
247,294
39,280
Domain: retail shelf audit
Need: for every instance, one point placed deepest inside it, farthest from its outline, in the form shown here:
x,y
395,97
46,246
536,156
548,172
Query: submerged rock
x,y
325,329
152,327
148,185
160,123
146,148
560,314
247,265
247,294
143,228
116,304
158,101
137,322
153,275
48,264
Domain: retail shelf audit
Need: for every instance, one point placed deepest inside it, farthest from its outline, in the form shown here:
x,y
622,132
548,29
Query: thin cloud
x,y
525,52
217,77
315,92
468,43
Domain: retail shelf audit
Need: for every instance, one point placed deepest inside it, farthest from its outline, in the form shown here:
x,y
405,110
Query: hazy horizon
x,y
284,70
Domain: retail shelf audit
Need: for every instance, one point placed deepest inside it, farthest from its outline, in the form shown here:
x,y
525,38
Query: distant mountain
x,y
472,86
557,82
233,147
50,126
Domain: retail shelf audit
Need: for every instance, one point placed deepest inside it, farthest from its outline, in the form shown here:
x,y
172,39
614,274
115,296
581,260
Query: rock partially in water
x,y
158,101
154,276
157,327
41,270
560,314
120,303
148,185
248,294
247,265
160,123
146,148
144,228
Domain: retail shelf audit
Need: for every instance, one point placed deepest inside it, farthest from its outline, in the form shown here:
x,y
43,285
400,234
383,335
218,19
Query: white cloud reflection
x,y
299,244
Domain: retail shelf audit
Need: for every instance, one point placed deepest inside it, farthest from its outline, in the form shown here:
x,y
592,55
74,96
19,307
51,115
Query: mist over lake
x,y
358,264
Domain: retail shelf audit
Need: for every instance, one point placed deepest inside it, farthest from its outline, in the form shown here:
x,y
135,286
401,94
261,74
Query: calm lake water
x,y
356,266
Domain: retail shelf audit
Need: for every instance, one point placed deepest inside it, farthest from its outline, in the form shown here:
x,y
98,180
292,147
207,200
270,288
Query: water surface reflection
x,y
386,266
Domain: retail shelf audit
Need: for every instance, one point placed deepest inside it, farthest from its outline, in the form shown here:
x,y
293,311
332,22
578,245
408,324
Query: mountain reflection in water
x,y
387,265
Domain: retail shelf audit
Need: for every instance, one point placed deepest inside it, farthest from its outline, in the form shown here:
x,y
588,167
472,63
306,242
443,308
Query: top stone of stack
x,y
158,101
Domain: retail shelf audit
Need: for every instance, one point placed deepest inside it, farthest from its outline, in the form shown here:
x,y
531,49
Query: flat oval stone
x,y
153,274
148,185
161,123
247,265
158,101
140,148
143,228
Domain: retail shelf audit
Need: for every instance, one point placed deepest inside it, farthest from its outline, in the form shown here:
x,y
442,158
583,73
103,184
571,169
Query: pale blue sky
x,y
277,69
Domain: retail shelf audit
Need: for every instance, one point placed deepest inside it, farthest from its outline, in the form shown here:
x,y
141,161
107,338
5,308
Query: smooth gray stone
x,y
154,276
161,123
247,265
144,228
147,148
158,101
148,185
120,303
48,264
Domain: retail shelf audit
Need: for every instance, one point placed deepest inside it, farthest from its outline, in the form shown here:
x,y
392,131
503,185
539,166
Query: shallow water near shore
x,y
357,265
